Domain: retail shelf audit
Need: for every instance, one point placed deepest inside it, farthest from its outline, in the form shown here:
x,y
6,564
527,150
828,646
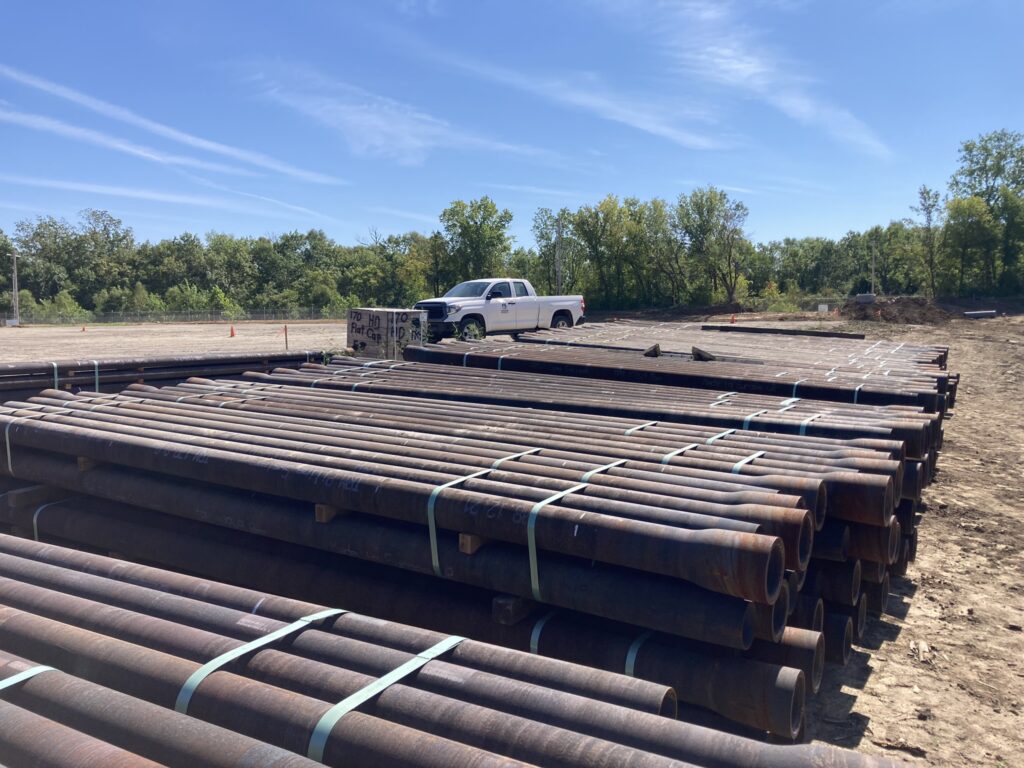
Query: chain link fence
x,y
187,316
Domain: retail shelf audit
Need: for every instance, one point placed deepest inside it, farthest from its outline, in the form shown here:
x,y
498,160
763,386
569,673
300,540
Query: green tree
x,y
987,164
6,264
231,266
81,259
1009,211
174,262
932,214
524,262
228,307
971,232
103,254
558,247
61,307
435,262
760,270
649,241
401,282
711,225
732,251
46,248
186,297
477,237
992,169
601,231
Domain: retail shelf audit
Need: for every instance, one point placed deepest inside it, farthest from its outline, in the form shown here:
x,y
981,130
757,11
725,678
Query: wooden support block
x,y
33,496
85,463
509,610
469,543
324,513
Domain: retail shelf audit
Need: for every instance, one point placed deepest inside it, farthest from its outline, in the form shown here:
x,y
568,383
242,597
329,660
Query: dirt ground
x,y
943,678
58,342
940,681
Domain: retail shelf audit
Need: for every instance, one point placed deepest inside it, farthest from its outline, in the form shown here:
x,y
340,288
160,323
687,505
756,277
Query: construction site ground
x,y
944,680
940,680
64,342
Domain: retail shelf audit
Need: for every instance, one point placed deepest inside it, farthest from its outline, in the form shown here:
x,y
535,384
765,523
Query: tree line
x,y
621,253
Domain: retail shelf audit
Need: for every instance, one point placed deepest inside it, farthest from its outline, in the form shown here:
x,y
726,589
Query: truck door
x,y
527,307
500,313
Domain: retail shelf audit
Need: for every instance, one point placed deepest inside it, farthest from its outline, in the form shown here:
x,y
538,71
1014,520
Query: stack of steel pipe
x,y
738,686
762,689
723,678
848,424
668,444
758,549
779,330
24,379
139,446
859,483
837,354
787,344
701,553
58,720
306,679
923,390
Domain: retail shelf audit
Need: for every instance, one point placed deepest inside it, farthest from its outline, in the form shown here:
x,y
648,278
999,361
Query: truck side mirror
x,y
490,295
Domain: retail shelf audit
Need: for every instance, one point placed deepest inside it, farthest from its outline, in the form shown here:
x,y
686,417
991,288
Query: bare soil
x,y
902,309
942,679
60,342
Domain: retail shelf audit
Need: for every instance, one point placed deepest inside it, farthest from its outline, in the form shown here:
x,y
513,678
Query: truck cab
x,y
476,308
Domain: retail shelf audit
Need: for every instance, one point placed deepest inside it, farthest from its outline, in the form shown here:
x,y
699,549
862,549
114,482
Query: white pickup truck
x,y
476,308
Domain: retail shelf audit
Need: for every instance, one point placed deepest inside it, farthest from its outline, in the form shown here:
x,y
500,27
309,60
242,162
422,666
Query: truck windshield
x,y
471,290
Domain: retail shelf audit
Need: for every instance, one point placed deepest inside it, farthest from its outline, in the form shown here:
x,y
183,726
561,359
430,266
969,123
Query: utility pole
x,y
14,286
558,254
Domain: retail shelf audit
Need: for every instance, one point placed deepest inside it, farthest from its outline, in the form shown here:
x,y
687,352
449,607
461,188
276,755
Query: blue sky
x,y
263,117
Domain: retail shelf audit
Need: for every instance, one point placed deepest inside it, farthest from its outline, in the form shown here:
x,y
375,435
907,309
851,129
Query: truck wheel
x,y
471,329
561,321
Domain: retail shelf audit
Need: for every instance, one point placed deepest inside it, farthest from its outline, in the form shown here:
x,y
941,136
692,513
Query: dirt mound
x,y
911,310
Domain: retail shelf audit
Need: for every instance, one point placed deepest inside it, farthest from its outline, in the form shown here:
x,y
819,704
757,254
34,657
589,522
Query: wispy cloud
x,y
372,124
7,206
418,8
739,190
760,185
727,187
791,185
710,40
264,198
50,125
666,119
133,193
536,191
398,213
124,115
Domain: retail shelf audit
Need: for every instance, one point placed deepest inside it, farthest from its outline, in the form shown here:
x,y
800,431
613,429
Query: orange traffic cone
x,y
232,334
732,320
